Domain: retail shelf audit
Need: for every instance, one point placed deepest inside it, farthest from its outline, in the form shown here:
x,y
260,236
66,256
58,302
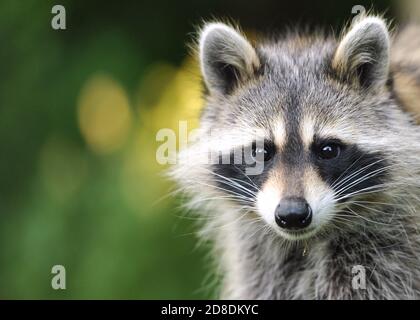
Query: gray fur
x,y
366,43
221,46
300,78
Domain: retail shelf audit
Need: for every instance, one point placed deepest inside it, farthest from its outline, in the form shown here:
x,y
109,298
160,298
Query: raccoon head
x,y
314,113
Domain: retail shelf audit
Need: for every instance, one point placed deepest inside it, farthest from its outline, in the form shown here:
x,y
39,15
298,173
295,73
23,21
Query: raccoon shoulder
x,y
405,68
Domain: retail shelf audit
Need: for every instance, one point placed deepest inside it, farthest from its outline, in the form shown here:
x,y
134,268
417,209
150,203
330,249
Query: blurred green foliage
x,y
94,209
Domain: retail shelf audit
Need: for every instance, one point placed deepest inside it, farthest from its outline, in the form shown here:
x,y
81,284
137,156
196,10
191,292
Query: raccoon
x,y
334,211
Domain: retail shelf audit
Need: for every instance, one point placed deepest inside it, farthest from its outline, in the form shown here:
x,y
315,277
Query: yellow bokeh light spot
x,y
166,96
104,114
182,99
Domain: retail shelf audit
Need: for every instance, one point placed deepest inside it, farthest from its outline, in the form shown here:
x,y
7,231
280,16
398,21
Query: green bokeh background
x,y
64,202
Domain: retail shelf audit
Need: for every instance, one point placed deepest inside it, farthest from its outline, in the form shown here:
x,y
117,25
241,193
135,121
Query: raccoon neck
x,y
260,265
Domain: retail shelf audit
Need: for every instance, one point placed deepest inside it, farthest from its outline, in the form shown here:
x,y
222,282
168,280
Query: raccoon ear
x,y
226,58
363,53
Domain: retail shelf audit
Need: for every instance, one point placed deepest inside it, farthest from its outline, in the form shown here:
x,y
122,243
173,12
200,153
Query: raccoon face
x,y
305,111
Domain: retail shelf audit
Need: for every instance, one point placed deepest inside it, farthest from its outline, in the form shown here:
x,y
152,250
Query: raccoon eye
x,y
329,151
264,153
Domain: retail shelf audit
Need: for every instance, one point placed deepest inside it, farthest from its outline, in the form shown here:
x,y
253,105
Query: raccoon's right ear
x,y
226,58
362,56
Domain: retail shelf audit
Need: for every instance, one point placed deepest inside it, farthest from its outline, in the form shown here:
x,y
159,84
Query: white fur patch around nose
x,y
267,200
319,196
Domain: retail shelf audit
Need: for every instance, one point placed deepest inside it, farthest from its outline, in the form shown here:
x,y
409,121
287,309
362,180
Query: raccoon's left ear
x,y
363,53
226,58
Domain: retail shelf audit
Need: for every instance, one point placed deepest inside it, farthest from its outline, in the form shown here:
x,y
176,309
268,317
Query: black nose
x,y
293,214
